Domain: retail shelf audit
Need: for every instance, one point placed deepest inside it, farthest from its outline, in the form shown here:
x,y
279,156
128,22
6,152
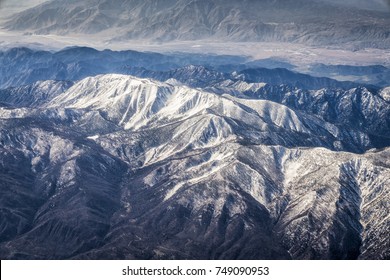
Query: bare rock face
x,y
119,167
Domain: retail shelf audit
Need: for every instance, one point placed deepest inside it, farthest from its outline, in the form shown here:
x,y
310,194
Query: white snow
x,y
94,137
385,94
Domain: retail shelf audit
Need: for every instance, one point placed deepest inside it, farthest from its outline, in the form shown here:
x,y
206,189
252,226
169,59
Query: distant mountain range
x,y
23,66
320,23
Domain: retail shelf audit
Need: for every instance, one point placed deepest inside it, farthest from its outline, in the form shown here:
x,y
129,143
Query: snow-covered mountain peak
x,y
134,102
125,99
102,88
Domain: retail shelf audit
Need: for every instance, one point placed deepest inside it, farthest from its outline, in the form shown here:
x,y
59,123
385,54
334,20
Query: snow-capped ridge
x,y
128,100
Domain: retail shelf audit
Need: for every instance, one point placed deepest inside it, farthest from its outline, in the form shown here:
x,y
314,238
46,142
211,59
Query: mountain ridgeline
x,y
23,66
317,22
152,157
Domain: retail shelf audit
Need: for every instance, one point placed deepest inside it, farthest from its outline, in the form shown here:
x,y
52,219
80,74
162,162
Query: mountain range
x,y
140,155
115,166
23,66
315,23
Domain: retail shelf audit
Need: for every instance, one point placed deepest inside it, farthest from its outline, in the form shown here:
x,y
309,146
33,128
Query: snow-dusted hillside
x,y
115,166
